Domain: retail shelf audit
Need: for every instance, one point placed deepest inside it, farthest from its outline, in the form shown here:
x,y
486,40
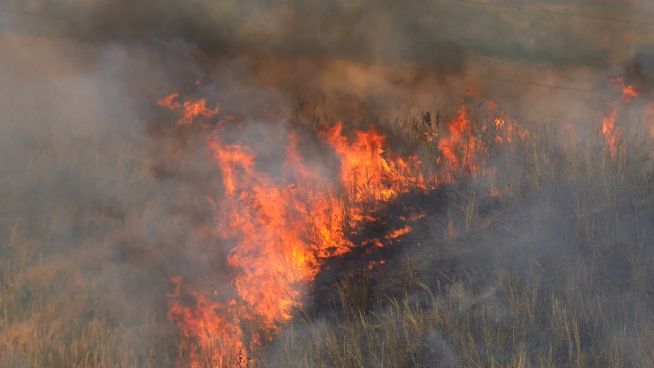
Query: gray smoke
x,y
102,199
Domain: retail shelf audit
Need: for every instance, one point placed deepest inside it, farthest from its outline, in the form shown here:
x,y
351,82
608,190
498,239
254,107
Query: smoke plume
x,y
104,198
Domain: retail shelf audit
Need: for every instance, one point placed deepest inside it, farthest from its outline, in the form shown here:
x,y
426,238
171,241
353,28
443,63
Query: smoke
x,y
89,224
113,200
379,53
440,32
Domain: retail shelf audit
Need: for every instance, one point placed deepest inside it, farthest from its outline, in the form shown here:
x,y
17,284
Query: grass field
x,y
555,272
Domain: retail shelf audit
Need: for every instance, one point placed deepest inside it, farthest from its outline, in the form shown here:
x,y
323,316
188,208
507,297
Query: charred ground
x,y
544,261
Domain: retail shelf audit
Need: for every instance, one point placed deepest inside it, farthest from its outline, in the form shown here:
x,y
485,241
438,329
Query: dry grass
x,y
557,275
61,303
557,272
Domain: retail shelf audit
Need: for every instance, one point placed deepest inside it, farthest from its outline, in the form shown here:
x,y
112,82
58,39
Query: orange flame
x,y
629,92
190,110
283,228
195,109
399,232
461,149
212,333
170,102
610,132
367,173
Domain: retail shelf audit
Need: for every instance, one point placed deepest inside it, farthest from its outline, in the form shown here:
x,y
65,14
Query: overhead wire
x,y
471,2
557,12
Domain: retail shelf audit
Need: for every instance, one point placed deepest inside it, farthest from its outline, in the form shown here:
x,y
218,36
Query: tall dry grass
x,y
556,272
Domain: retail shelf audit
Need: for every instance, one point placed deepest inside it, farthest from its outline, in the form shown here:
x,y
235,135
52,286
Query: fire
x,y
284,227
170,102
373,264
194,109
211,330
610,131
367,173
462,147
399,232
190,110
629,92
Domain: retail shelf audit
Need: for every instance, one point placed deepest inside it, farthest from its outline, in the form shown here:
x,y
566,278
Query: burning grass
x,y
547,278
521,249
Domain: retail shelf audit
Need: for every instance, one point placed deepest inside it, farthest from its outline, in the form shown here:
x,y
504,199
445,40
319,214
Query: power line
x,y
472,2
30,14
558,12
44,19
468,76
563,87
531,83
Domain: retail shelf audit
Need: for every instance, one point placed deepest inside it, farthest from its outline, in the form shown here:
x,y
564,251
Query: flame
x,y
414,216
190,110
399,232
284,227
629,92
170,102
367,173
610,131
212,334
374,264
282,230
461,149
195,109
